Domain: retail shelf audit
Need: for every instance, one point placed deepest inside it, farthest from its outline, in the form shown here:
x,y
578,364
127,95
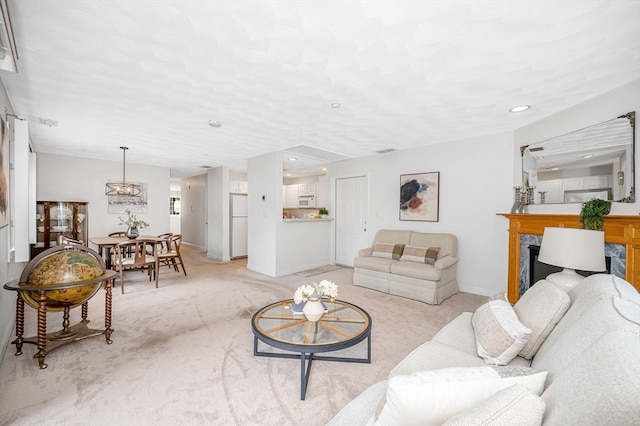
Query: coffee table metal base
x,y
306,359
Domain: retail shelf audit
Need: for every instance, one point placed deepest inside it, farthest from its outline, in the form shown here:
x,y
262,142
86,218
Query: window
x,y
174,205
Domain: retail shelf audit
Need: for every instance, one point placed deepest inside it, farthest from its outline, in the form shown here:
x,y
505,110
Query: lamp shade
x,y
572,248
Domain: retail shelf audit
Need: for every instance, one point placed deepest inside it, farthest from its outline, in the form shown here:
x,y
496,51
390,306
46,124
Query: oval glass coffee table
x,y
342,326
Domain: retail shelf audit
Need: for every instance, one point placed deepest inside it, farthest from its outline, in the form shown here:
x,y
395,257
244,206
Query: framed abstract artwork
x,y
420,196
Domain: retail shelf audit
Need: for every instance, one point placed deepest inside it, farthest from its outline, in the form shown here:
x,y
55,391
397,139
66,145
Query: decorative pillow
x,y
540,308
515,405
500,336
388,251
431,397
426,255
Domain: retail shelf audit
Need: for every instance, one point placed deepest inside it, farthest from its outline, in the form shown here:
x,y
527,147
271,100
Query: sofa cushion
x,y
459,334
515,405
362,408
416,270
605,316
432,355
431,397
500,336
540,308
420,254
387,251
600,387
374,263
393,236
448,243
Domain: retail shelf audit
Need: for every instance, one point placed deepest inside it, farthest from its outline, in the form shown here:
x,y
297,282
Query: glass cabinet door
x,y
57,218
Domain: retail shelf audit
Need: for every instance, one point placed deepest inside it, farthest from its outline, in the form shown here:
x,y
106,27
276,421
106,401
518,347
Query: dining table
x,y
106,244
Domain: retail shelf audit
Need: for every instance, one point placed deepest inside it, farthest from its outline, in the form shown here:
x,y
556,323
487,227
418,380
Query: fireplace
x,y
621,236
539,270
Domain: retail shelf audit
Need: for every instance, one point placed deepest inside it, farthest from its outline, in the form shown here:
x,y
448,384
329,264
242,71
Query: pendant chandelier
x,y
123,188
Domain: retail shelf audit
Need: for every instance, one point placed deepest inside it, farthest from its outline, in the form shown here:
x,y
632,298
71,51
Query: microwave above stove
x,y
307,201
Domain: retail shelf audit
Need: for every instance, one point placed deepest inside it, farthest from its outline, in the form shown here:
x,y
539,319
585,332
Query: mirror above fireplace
x,y
594,162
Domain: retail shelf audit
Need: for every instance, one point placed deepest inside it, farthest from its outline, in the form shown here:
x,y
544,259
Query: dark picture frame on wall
x,y
420,197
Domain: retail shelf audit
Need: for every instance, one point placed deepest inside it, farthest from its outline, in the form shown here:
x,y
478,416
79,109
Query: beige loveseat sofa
x,y
399,262
585,344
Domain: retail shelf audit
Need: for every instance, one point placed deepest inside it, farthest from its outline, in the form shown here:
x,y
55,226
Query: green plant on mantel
x,y
593,213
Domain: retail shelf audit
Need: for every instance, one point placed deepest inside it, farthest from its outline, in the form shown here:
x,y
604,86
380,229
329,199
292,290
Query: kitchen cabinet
x,y
307,189
291,196
588,182
238,186
59,218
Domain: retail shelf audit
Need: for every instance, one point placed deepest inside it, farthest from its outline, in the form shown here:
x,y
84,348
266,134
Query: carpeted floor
x,y
183,354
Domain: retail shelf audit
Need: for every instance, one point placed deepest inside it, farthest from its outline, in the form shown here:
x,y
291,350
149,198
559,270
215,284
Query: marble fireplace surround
x,y
619,230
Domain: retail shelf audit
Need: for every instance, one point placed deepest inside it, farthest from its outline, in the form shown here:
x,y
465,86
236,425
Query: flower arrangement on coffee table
x,y
325,289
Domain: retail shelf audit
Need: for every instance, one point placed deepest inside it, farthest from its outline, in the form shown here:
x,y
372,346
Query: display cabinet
x,y
59,218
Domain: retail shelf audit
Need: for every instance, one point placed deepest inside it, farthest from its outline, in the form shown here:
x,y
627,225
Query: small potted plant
x,y
593,213
324,213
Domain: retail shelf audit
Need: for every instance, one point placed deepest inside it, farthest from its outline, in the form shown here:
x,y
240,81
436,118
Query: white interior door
x,y
351,218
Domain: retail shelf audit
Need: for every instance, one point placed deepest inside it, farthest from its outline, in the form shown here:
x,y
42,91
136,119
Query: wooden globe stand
x,y
69,334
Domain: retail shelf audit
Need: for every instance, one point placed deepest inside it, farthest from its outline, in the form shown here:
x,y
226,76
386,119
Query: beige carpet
x,y
183,354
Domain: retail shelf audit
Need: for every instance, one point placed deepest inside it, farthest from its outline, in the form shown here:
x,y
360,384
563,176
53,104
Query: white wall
x,y
265,212
218,216
8,270
193,213
475,177
596,110
63,178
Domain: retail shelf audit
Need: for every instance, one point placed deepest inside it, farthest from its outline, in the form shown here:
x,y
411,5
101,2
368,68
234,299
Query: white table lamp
x,y
572,249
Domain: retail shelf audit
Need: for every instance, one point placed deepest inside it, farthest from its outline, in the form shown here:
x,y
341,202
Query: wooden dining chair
x,y
164,245
172,257
67,241
118,234
134,255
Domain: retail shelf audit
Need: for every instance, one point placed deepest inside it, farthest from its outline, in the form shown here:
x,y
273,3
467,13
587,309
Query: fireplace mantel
x,y
618,229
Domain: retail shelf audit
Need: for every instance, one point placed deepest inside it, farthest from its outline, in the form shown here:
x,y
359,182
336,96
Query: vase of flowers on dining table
x,y
133,224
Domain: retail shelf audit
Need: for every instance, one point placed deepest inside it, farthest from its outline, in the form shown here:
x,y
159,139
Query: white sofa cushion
x,y
431,397
500,336
416,270
515,405
540,309
374,263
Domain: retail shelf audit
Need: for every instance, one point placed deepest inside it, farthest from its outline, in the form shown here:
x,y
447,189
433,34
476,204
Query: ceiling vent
x,y
8,52
385,151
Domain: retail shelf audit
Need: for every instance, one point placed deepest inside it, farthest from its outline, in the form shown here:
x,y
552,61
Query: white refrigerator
x,y
239,231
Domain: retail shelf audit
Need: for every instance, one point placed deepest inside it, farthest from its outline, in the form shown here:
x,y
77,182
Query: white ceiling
x,y
150,75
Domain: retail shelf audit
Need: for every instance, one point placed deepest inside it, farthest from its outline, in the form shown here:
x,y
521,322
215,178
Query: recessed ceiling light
x,y
214,123
587,156
336,105
520,108
293,159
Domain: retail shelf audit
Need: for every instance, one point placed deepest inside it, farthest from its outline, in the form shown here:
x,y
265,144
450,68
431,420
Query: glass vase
x,y
132,232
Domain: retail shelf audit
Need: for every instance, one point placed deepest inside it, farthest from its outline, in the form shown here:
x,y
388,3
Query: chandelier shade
x,y
124,188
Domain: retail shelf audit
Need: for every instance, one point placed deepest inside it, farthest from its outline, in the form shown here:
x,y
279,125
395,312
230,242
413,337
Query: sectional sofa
x,y
553,358
417,265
